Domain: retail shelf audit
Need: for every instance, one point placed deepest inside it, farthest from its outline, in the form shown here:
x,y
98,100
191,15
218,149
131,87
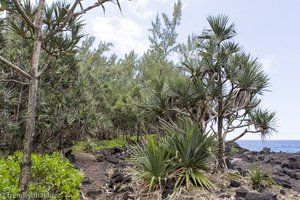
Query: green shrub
x,y
91,145
51,177
183,153
191,148
259,177
153,161
233,149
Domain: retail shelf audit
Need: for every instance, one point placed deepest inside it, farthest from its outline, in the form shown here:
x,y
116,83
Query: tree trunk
x,y
221,146
31,112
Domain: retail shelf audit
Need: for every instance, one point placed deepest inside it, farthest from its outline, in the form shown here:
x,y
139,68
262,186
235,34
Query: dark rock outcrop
x,y
234,183
284,168
258,196
242,193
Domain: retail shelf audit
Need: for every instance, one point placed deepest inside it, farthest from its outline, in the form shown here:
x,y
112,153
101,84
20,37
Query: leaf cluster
x,y
52,176
182,154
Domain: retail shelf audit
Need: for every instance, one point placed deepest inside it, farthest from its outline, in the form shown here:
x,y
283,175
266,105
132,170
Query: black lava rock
x,y
240,193
86,181
258,196
234,183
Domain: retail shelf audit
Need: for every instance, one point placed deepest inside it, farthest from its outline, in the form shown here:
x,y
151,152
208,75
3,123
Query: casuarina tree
x,y
54,31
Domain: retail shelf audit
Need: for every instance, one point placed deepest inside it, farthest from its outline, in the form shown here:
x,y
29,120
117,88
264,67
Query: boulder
x,y
166,192
288,172
116,177
283,182
241,166
113,160
70,156
116,150
240,193
294,162
86,181
234,183
277,169
100,159
265,150
224,196
258,196
93,193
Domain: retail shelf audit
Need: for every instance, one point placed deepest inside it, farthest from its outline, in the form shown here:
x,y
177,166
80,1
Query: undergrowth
x,y
90,145
51,177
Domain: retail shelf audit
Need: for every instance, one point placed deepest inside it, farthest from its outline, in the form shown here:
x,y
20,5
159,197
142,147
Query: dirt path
x,y
105,176
96,175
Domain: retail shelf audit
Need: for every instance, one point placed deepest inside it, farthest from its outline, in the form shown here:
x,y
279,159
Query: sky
x,y
268,30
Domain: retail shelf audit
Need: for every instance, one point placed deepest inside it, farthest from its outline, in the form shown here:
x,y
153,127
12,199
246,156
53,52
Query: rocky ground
x,y
108,175
284,168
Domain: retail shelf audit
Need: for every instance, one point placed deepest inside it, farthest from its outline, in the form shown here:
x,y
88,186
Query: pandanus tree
x,y
219,87
53,31
234,83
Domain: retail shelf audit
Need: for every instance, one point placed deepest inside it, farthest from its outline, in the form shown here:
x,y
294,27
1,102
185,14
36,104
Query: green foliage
x,y
260,178
264,121
192,149
218,85
233,149
51,176
184,153
153,161
91,145
163,38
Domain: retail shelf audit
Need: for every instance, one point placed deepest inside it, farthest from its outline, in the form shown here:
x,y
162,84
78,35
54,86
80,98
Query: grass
x,y
233,149
91,145
260,178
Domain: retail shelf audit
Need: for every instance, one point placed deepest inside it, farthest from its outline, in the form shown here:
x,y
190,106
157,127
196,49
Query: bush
x,y
234,149
153,162
191,148
260,178
182,154
91,145
51,177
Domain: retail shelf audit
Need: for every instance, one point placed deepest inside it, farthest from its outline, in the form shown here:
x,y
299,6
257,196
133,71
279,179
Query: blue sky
x,y
268,29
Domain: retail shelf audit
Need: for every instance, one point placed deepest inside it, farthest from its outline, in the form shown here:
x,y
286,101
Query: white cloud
x,y
125,34
269,63
140,9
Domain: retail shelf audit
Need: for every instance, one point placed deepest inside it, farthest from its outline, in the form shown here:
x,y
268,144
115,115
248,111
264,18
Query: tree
x,y
234,81
163,39
219,87
54,31
112,86
155,65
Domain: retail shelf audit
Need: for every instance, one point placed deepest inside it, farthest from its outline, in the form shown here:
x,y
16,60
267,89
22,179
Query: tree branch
x,y
241,135
97,4
72,14
12,80
15,67
23,14
237,137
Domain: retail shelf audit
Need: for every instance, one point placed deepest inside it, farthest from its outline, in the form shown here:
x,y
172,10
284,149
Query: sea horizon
x,y
289,146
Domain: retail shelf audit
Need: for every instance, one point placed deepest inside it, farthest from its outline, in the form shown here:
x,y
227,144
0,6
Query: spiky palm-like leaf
x,y
156,101
264,121
152,159
192,149
260,178
220,30
248,74
2,38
